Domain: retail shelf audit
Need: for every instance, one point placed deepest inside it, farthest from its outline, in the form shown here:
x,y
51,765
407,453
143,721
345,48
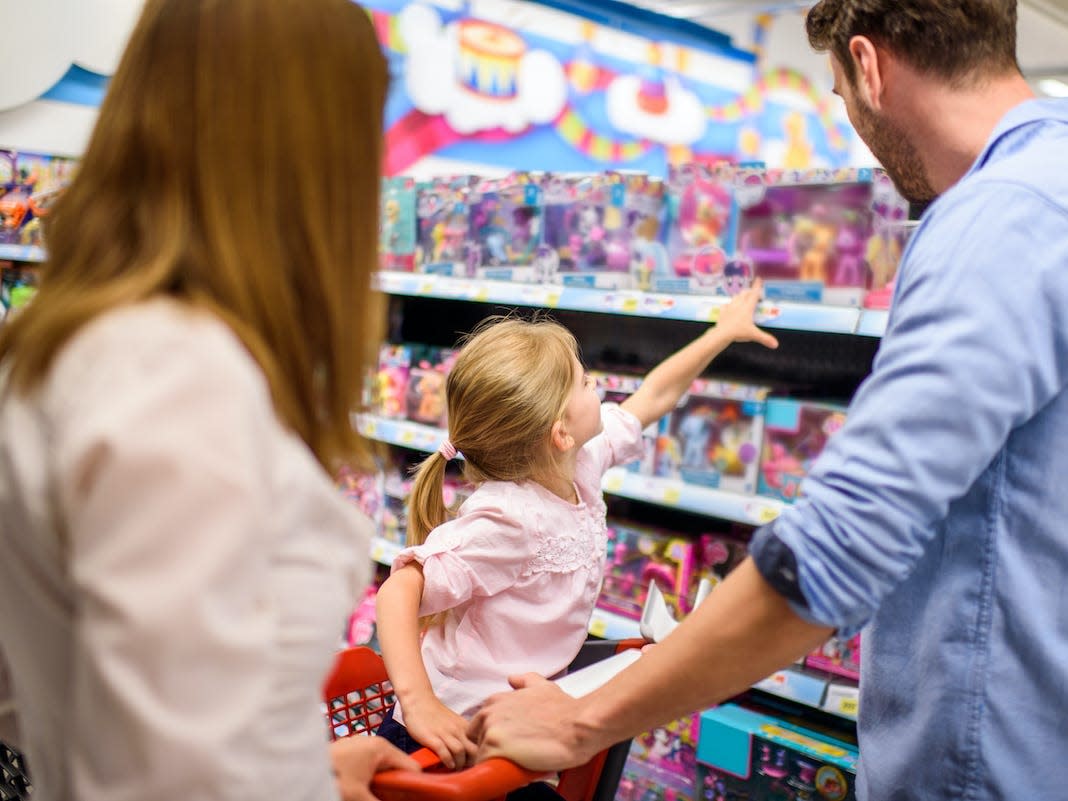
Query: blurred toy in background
x,y
505,228
391,380
397,229
640,555
425,396
443,223
837,655
700,236
662,764
795,434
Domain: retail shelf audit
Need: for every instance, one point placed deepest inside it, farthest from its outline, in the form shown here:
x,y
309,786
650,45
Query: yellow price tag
x,y
712,315
552,299
369,428
377,552
482,295
598,627
672,495
849,706
630,305
425,287
407,436
613,482
767,513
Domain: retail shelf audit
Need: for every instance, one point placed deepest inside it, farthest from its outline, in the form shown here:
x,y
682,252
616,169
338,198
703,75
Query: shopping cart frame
x,y
357,695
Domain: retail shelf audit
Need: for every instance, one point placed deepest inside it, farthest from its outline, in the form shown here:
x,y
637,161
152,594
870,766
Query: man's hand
x,y
535,726
357,759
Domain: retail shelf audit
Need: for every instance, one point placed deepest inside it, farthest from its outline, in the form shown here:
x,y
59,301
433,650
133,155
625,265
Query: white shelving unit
x,y
692,308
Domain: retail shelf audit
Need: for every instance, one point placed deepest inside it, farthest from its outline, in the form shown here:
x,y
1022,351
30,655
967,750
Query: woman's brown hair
x,y
235,167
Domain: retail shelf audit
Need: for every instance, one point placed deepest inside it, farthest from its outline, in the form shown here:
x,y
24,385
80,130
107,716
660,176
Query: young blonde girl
x,y
508,584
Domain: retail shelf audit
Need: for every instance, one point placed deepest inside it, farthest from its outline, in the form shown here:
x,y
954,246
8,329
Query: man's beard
x,y
893,147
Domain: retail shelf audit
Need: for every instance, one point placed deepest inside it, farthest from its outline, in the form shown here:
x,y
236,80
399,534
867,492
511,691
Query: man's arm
x,y
700,664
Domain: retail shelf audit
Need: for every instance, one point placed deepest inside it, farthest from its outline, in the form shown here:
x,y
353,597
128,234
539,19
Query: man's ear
x,y
559,437
868,67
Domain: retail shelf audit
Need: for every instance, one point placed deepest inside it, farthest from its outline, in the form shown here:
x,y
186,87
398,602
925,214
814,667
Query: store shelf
x,y
694,308
22,252
834,695
872,322
749,509
610,626
384,551
702,500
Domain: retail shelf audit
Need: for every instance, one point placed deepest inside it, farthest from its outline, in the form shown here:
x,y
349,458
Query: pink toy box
x,y
808,234
700,235
837,656
662,764
746,754
425,393
638,556
390,384
795,434
712,438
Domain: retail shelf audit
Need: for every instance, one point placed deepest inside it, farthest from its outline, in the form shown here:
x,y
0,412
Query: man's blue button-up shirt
x,y
938,516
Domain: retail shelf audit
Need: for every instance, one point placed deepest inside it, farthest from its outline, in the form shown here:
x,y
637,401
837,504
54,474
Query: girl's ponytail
x,y
426,504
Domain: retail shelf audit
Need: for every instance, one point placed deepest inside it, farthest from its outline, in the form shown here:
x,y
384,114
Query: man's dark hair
x,y
956,40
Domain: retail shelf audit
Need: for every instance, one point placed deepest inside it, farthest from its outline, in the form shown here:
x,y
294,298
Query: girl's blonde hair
x,y
511,382
234,167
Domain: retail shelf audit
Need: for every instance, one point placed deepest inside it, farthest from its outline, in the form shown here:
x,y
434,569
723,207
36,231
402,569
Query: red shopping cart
x,y
358,695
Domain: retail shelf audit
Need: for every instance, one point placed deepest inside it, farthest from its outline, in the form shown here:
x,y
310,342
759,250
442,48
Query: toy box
x,y
425,395
442,218
807,233
29,184
505,228
396,243
837,656
616,388
638,556
742,754
662,764
712,438
644,213
714,557
586,239
700,235
884,252
795,434
390,385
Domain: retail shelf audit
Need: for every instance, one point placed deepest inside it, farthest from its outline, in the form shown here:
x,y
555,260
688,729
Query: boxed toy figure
x,y
807,234
426,385
396,243
837,656
795,433
713,436
662,764
700,235
442,212
505,228
744,754
638,556
391,381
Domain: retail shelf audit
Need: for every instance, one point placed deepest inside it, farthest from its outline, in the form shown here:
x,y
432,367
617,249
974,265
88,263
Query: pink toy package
x,y
638,556
712,438
840,656
426,385
396,245
662,764
391,381
700,235
795,434
714,557
809,234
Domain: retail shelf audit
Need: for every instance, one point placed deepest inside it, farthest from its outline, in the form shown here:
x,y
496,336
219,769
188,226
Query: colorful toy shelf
x,y
22,252
749,509
694,308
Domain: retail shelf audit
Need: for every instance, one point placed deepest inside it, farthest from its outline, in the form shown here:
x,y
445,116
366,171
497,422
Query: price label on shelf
x,y
552,299
613,482
618,302
368,427
767,312
407,436
708,312
598,627
671,496
849,706
425,287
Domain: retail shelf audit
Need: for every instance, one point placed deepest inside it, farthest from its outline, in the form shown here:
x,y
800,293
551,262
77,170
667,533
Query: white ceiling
x,y
1042,30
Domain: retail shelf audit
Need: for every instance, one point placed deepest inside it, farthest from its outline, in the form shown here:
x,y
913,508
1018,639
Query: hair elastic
x,y
448,450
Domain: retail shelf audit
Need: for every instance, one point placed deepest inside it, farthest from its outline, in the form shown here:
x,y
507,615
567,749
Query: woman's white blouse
x,y
168,639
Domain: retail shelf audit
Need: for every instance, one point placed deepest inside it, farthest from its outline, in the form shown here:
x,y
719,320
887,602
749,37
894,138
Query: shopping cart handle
x,y
482,782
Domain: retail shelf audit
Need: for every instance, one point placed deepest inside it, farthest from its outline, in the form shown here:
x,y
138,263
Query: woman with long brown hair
x,y
176,563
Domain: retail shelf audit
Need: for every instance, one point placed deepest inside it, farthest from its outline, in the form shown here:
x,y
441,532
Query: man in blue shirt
x,y
937,516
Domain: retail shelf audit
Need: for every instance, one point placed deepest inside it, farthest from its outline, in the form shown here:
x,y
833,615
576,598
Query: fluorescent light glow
x,y
1053,88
